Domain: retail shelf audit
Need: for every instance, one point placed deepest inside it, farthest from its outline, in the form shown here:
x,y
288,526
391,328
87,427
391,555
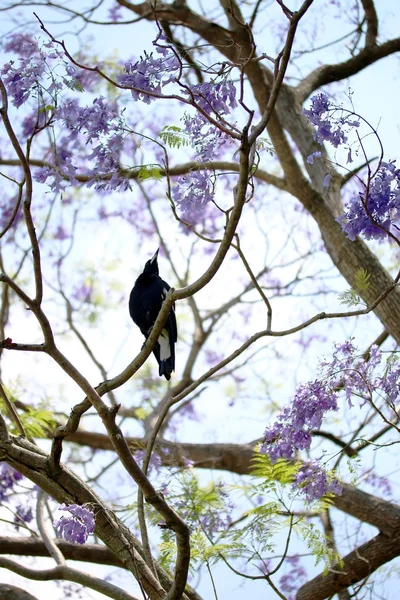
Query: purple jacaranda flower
x,y
376,210
214,97
320,104
292,430
76,527
114,13
32,122
313,156
348,372
294,578
93,121
149,74
83,292
313,482
22,80
22,44
331,122
191,192
327,180
61,234
8,478
23,514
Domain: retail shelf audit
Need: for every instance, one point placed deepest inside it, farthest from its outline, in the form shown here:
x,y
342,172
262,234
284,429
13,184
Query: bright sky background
x,y
375,96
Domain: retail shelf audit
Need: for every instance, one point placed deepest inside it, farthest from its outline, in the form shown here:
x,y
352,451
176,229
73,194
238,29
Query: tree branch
x,y
328,73
356,566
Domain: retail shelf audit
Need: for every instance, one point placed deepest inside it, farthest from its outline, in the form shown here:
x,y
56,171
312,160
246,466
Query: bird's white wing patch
x,y
163,340
164,293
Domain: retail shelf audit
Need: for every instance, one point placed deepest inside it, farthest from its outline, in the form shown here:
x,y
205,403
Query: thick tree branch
x,y
356,566
183,169
328,73
91,553
67,574
372,22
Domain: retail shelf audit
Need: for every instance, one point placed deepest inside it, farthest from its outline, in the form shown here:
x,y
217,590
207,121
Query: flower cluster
x,y
314,483
195,190
331,122
291,581
22,81
22,44
311,401
8,478
361,378
23,514
76,527
355,377
292,430
376,210
25,79
150,75
219,97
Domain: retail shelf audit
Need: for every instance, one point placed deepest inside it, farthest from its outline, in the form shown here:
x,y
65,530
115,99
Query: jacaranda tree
x,y
228,137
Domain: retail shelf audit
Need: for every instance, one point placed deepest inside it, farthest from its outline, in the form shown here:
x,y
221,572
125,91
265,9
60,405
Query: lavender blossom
x,y
76,527
193,191
8,478
331,122
218,97
376,210
149,74
22,81
22,44
291,581
23,514
357,378
314,483
292,430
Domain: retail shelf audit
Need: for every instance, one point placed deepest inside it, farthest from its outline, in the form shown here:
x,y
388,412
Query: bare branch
x,y
328,73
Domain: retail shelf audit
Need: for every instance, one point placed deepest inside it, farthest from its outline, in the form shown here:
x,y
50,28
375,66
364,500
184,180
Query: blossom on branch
x,y
76,527
376,210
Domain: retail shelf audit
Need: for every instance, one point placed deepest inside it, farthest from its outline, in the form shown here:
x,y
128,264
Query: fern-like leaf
x,y
174,136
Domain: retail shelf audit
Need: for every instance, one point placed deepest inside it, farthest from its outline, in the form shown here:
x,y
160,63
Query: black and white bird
x,y
147,296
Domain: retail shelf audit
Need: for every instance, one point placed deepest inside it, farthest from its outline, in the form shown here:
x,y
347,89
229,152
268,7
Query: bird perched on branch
x,y
147,296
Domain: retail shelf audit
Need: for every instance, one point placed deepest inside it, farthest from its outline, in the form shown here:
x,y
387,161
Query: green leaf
x,y
283,471
37,422
265,144
141,413
362,280
350,298
174,136
149,172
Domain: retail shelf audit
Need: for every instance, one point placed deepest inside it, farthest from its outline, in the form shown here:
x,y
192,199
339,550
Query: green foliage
x,y
201,550
141,413
174,136
282,472
149,172
167,549
354,466
318,545
352,297
265,144
37,422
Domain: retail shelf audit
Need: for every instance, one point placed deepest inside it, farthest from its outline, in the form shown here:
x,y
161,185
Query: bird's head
x,y
151,266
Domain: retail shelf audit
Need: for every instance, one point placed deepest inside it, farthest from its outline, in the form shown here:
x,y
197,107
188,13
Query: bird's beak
x,y
155,256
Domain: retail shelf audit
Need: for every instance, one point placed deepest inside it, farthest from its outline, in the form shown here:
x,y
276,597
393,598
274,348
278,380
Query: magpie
x,y
145,300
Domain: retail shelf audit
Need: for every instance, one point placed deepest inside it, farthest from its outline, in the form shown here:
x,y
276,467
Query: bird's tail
x,y
165,354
